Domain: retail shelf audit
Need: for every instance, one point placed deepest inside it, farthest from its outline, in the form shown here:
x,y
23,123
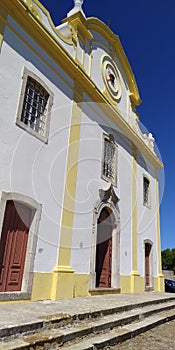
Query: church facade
x,y
79,191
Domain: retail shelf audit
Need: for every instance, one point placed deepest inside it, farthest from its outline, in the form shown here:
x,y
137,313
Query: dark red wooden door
x,y
104,251
13,245
147,263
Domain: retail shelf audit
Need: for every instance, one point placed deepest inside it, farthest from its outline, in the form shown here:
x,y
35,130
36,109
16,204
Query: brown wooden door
x,y
147,263
13,245
104,251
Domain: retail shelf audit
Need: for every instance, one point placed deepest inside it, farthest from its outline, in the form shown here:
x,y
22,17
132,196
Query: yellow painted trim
x,y
3,21
104,291
78,22
159,285
64,269
14,301
46,12
95,24
160,275
67,286
71,179
41,288
34,9
81,287
38,55
105,47
132,283
63,275
134,214
90,59
83,55
62,286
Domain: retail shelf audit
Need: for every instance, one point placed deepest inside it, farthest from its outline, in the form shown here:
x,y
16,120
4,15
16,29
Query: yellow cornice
x,y
113,39
32,8
18,10
78,23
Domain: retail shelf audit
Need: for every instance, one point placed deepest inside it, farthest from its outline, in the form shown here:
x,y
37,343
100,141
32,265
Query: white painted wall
x,y
147,229
28,165
89,182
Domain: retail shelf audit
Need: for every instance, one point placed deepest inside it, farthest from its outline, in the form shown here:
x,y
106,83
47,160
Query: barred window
x,y
146,191
35,106
109,171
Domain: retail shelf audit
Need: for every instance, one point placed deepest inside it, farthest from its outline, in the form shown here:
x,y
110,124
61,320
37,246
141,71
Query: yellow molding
x,y
134,212
78,22
71,179
64,268
36,53
158,226
34,9
3,18
95,24
46,12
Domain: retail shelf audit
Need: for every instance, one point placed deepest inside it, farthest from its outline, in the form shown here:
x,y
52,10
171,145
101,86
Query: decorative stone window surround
x,y
19,122
108,138
146,202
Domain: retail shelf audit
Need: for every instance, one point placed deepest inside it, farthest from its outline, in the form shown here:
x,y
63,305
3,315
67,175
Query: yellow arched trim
x,y
3,17
113,39
46,12
34,9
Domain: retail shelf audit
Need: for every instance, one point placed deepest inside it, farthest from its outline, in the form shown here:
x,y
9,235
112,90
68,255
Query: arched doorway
x,y
148,265
103,267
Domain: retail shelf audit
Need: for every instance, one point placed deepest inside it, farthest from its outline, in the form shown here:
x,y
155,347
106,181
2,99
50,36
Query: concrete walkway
x,y
22,313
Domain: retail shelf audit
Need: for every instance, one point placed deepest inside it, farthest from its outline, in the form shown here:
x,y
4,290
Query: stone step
x,y
58,320
88,327
120,334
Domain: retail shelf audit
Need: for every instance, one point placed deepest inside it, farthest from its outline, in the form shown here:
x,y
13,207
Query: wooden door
x,y
13,245
147,264
104,251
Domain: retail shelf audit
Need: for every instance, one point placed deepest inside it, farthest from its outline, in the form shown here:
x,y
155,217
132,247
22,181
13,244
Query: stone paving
x,y
158,338
27,312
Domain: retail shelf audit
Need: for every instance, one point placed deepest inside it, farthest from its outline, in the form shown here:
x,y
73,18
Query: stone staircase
x,y
88,330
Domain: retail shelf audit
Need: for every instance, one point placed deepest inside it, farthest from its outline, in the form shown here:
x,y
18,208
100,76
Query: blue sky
x,y
146,29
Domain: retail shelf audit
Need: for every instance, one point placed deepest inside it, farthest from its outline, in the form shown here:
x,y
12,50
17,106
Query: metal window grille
x,y
34,109
146,185
109,163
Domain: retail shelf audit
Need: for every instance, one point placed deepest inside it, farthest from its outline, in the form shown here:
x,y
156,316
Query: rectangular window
x,y
146,192
109,164
35,106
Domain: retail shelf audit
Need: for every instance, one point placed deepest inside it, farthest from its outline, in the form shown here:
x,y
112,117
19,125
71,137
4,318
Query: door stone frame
x,y
151,271
108,199
26,288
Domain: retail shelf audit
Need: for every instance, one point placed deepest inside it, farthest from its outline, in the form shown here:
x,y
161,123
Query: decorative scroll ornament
x,y
109,195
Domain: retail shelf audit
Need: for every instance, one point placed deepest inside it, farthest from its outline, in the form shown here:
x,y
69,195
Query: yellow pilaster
x,y
134,274
63,277
3,17
160,281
